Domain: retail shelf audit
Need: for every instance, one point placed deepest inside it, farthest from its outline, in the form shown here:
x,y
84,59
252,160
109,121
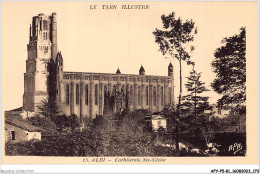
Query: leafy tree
x,y
44,123
207,128
62,122
173,41
230,68
49,109
194,103
74,121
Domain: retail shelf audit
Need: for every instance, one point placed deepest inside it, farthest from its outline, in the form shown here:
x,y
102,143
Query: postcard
x,y
129,82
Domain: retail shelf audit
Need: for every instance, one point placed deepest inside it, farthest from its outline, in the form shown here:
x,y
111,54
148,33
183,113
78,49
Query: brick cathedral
x,y
82,93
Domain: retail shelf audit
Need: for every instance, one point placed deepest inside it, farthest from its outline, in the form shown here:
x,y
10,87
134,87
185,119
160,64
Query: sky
x,y
102,40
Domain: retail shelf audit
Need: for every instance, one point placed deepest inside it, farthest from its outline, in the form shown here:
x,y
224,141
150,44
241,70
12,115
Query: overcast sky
x,y
102,40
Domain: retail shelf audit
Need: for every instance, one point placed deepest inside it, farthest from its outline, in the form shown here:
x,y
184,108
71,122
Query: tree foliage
x,y
44,123
195,103
174,41
230,68
49,109
174,36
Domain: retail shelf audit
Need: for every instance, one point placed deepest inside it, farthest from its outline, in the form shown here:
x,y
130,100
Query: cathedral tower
x,y
42,50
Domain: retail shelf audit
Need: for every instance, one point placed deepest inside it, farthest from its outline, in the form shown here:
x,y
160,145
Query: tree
x,y
207,128
194,103
74,122
49,109
230,68
173,41
44,123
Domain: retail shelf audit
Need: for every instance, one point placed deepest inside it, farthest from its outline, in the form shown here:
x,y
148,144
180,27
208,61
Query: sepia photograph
x,y
129,82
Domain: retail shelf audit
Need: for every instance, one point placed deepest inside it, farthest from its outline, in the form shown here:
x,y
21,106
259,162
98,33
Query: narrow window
x,y
162,96
114,89
123,89
67,95
86,94
131,94
147,95
154,96
77,94
45,25
105,89
13,135
96,95
139,96
45,50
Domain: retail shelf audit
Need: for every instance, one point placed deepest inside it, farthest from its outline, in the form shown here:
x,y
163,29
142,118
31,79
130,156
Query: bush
x,y
44,123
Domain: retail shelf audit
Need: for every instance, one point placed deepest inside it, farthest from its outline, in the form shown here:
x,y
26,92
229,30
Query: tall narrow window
x,y
13,135
96,95
86,94
154,96
131,94
105,89
139,95
123,89
162,96
114,89
44,36
77,94
45,50
45,25
67,95
147,95
170,96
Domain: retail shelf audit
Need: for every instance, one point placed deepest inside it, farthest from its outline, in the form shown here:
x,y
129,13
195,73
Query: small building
x,y
156,122
18,130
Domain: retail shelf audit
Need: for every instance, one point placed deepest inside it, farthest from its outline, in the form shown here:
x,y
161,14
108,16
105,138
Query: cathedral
x,y
85,94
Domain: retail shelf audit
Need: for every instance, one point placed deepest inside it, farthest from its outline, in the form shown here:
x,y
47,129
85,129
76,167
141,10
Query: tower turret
x,y
142,71
59,60
170,70
118,71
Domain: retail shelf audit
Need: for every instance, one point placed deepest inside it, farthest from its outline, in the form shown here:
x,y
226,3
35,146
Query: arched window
x,y
77,94
45,25
123,89
67,94
147,95
96,95
170,95
154,96
162,96
45,36
139,95
45,50
114,89
105,89
86,94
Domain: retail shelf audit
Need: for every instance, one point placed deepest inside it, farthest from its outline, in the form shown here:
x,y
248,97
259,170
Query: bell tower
x,y
41,49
